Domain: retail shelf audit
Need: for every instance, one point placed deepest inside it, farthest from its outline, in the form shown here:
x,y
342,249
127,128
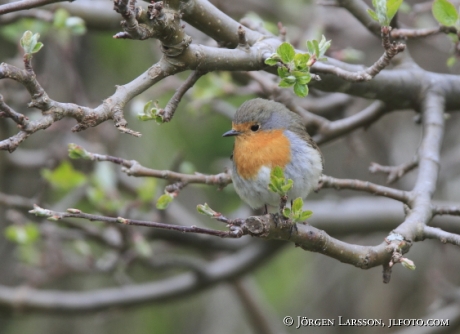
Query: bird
x,y
268,134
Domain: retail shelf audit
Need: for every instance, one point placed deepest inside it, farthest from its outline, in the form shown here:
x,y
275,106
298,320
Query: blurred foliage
x,y
191,142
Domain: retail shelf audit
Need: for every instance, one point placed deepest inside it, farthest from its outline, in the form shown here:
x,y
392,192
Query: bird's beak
x,y
231,133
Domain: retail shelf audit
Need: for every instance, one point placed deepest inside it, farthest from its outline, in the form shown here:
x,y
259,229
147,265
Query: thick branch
x,y
429,157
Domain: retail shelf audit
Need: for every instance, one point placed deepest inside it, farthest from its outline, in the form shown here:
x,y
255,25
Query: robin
x,y
267,134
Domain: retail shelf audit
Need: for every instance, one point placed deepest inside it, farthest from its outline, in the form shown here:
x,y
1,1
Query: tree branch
x,y
394,172
330,182
443,236
223,269
26,4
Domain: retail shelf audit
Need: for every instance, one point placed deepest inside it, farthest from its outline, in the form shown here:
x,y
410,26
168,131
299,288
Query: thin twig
x,y
331,182
74,213
391,50
446,210
134,168
419,33
333,129
394,172
168,113
443,236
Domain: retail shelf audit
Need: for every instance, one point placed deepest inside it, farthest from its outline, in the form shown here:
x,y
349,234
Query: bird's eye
x,y
255,127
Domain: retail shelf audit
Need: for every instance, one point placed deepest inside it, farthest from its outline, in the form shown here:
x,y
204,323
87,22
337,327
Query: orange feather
x,y
256,149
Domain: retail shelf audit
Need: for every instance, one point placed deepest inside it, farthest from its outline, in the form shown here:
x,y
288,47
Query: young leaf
x,y
297,205
164,201
451,61
285,83
277,172
310,47
286,52
206,210
305,215
286,212
392,8
445,13
271,61
78,152
24,234
323,46
381,10
316,47
300,90
282,72
286,187
64,177
300,60
372,14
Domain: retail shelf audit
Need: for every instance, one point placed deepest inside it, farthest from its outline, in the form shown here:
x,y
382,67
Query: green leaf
x,y
37,47
305,79
60,17
285,83
310,47
282,72
76,25
22,234
392,8
159,119
300,60
297,205
316,47
78,152
148,106
300,90
206,210
445,13
381,10
146,191
64,177
451,61
277,171
287,186
271,61
286,212
305,215
323,46
272,188
372,14
29,42
164,200
286,52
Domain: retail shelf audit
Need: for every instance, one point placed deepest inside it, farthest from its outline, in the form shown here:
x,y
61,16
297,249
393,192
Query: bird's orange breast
x,y
264,148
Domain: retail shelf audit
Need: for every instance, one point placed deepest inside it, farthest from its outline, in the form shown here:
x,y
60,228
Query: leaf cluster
x,y
294,67
385,10
295,213
151,112
278,183
29,42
